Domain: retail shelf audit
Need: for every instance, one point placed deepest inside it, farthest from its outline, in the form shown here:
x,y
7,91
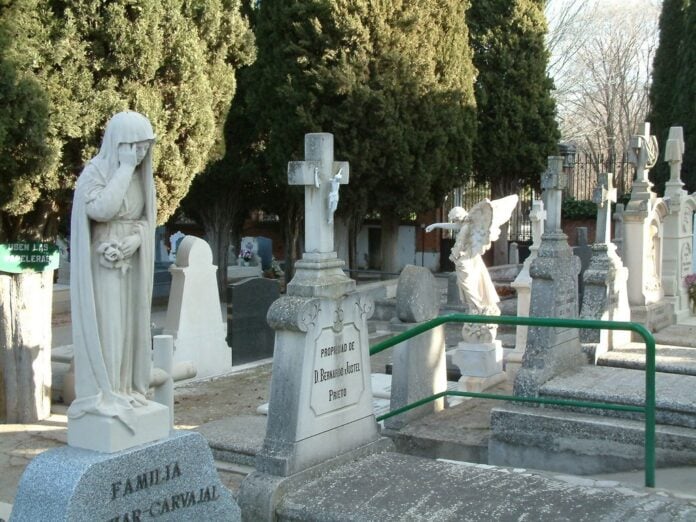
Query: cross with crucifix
x,y
321,177
553,181
643,151
603,196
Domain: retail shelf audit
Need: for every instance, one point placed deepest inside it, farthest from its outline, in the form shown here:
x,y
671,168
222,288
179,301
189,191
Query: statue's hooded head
x,y
124,127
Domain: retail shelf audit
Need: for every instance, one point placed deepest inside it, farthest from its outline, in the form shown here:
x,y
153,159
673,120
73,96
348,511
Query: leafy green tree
x,y
516,113
171,60
392,80
665,87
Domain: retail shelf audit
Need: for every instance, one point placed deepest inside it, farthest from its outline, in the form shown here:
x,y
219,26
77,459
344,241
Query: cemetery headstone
x,y
523,286
418,364
194,317
321,400
605,296
173,479
554,273
643,238
248,332
678,229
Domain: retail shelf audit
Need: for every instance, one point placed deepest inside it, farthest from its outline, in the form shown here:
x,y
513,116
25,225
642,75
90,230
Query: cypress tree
x,y
664,88
391,79
516,113
685,102
172,60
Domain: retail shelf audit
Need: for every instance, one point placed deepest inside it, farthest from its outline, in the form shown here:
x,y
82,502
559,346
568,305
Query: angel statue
x,y
476,230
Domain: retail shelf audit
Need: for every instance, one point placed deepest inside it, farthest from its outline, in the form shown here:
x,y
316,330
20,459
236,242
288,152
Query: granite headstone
x,y
248,332
170,480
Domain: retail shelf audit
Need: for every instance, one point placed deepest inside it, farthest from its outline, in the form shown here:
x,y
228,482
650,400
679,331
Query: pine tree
x,y
664,89
516,113
172,60
685,102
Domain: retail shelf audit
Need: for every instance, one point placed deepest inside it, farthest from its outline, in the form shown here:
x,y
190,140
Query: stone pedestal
x,y
605,298
172,479
418,371
109,435
481,365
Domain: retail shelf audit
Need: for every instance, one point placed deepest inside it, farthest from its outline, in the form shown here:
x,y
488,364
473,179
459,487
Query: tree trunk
x,y
25,346
390,243
218,234
293,223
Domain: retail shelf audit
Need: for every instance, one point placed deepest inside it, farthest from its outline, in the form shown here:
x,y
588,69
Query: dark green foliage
x,y
578,209
172,60
391,79
685,113
665,88
516,113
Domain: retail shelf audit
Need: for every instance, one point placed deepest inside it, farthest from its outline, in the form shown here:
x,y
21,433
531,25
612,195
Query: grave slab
x,y
170,480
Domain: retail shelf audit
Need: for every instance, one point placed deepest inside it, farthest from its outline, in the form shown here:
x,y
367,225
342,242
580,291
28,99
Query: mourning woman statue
x,y
111,247
476,230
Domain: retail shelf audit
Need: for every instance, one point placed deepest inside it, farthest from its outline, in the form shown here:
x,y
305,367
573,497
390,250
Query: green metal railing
x,y
648,409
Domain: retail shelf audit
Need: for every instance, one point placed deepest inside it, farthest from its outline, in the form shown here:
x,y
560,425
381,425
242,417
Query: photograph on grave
x,y
112,262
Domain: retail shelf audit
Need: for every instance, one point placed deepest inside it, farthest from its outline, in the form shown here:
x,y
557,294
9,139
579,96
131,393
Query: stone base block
x,y
171,479
108,435
654,316
261,493
479,384
580,444
479,360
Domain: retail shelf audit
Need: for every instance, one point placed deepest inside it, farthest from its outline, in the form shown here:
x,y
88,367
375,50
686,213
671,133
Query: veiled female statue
x,y
476,230
112,245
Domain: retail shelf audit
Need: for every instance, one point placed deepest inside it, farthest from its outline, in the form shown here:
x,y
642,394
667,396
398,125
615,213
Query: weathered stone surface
x,y
417,295
393,487
581,443
174,479
550,351
235,439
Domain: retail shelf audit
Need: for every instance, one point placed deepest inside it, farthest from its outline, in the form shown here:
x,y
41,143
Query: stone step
x,y
668,359
393,487
581,443
677,335
676,403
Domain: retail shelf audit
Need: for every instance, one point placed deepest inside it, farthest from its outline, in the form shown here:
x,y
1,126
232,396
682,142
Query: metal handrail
x,y
648,409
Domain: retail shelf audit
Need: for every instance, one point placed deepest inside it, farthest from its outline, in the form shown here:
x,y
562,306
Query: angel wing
x,y
482,226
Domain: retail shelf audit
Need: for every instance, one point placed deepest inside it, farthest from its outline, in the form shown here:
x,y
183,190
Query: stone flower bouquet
x,y
690,283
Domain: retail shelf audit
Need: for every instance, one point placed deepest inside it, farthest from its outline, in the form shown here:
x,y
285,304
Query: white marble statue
x,y
476,230
333,194
112,248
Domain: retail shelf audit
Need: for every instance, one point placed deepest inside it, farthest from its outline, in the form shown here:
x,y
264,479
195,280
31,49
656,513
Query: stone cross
x,y
603,196
537,216
316,173
643,150
553,181
674,151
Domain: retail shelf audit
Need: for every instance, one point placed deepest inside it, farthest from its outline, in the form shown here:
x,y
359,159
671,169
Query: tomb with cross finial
x,y
642,154
603,196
